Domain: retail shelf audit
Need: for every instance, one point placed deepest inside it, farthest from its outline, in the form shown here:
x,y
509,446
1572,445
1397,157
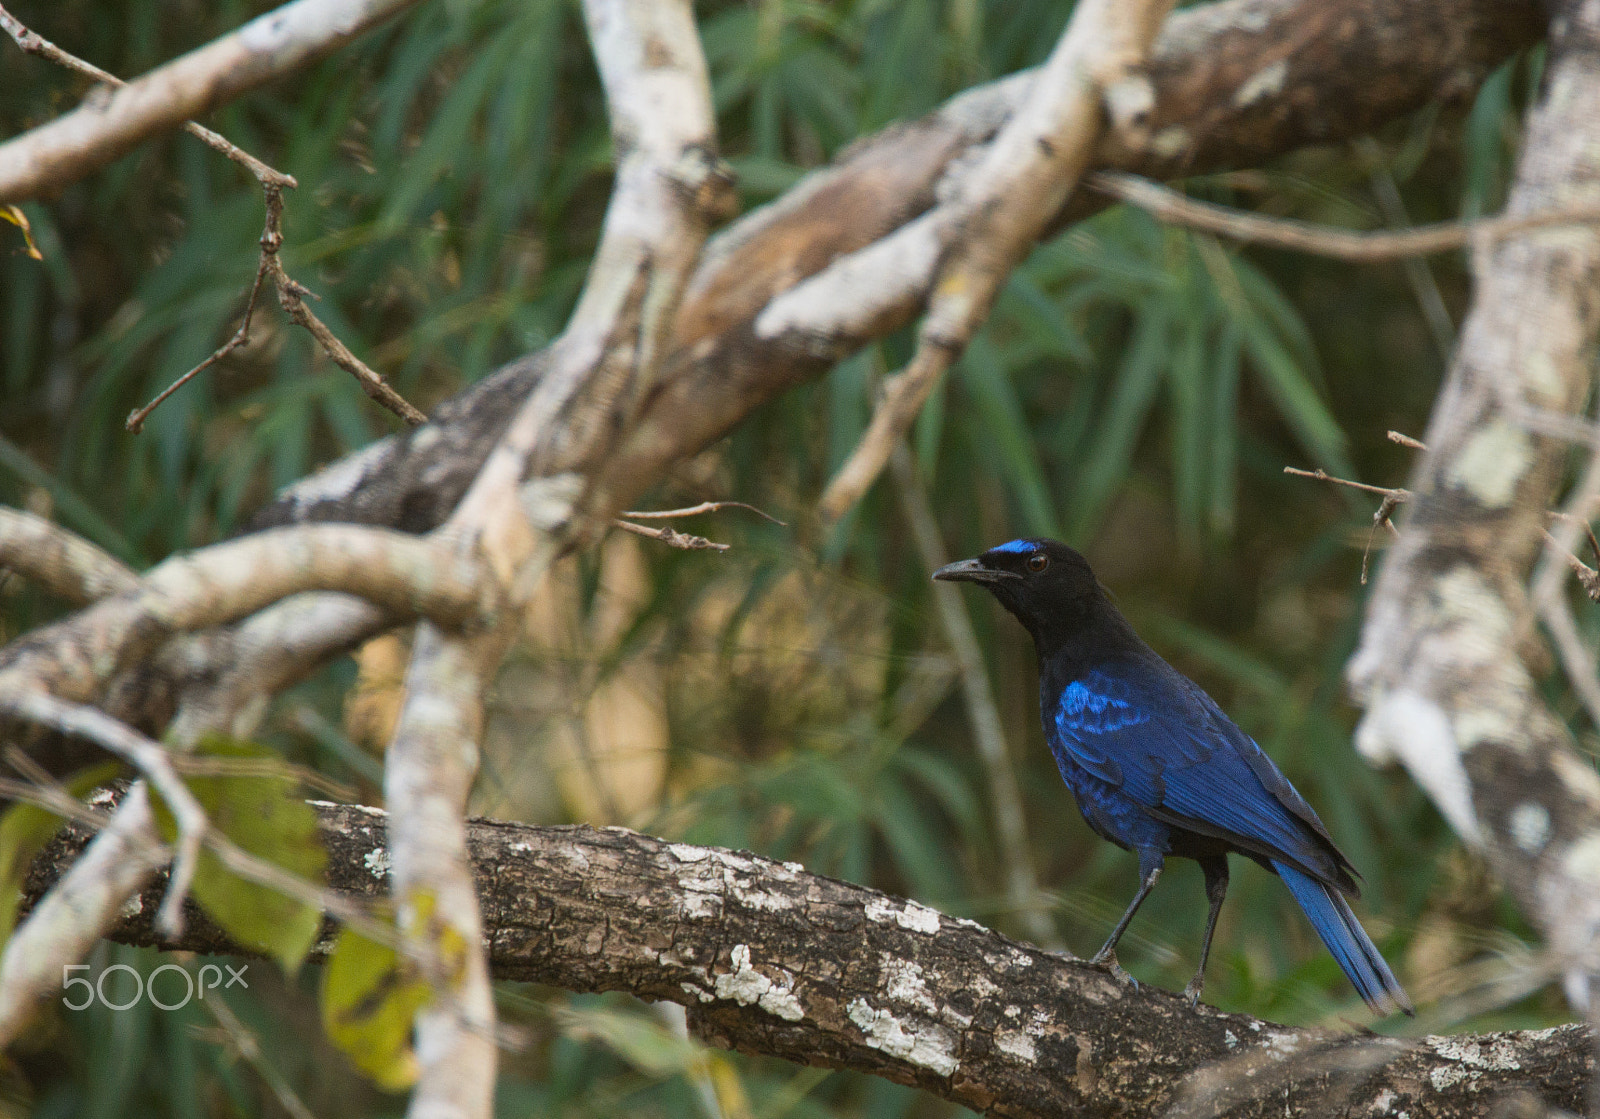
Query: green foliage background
x,y
1137,393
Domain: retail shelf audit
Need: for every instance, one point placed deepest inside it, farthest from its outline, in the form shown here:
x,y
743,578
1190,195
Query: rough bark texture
x,y
1441,666
771,959
1236,83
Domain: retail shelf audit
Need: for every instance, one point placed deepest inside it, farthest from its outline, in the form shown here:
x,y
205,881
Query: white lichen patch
x,y
339,479
1230,1039
1170,141
1016,1044
926,1045
984,988
747,986
1264,83
695,991
696,905
1582,863
902,982
1283,1043
377,862
914,917
1529,826
1471,1059
1492,463
521,847
1383,1102
684,853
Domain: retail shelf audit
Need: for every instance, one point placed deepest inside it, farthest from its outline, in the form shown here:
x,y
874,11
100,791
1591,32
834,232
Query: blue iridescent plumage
x,y
1157,768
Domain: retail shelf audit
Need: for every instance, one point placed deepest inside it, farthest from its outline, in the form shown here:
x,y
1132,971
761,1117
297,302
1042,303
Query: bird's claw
x,y
1107,962
1191,993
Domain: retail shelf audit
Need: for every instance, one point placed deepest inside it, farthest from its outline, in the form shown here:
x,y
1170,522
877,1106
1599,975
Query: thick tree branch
x,y
1440,669
771,959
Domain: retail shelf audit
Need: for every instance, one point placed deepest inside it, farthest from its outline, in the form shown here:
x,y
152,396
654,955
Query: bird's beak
x,y
971,571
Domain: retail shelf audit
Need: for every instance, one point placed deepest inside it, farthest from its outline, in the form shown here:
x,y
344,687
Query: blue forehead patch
x,y
1015,546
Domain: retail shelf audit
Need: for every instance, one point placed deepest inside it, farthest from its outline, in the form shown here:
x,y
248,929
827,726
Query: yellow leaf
x,y
17,218
370,995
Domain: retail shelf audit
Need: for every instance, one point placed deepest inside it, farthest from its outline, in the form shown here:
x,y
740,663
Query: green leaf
x,y
269,818
370,996
25,829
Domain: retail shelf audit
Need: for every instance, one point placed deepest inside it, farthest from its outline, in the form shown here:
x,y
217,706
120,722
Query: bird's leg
x,y
1107,956
1216,870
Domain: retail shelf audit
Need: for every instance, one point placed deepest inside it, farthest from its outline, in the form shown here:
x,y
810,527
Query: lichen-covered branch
x,y
63,562
399,573
1440,669
773,960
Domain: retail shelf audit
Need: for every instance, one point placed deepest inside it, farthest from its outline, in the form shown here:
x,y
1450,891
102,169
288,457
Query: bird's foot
x,y
1191,992
1106,960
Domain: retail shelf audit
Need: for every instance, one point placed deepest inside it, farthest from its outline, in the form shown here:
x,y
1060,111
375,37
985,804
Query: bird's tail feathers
x,y
1330,915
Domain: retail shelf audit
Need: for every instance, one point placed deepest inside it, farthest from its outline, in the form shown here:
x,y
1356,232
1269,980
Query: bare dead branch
x,y
696,510
34,43
291,297
61,561
53,155
670,537
1406,441
1006,203
1174,208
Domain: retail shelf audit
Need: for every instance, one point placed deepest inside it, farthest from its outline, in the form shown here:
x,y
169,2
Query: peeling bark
x,y
771,959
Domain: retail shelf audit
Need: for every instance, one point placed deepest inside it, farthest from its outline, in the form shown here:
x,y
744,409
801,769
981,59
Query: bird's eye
x,y
1038,562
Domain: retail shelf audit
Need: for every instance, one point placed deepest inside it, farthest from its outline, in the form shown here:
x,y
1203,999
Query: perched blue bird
x,y
1158,769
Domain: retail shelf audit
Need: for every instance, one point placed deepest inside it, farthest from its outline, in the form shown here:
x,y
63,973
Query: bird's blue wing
x,y
1160,739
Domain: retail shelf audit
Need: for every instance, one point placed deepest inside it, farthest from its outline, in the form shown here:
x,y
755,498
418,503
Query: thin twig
x,y
135,421
696,510
1342,244
1323,476
671,537
1587,577
291,297
1393,498
1405,440
1418,273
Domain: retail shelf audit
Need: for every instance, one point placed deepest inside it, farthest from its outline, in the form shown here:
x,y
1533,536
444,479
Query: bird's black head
x,y
1047,585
